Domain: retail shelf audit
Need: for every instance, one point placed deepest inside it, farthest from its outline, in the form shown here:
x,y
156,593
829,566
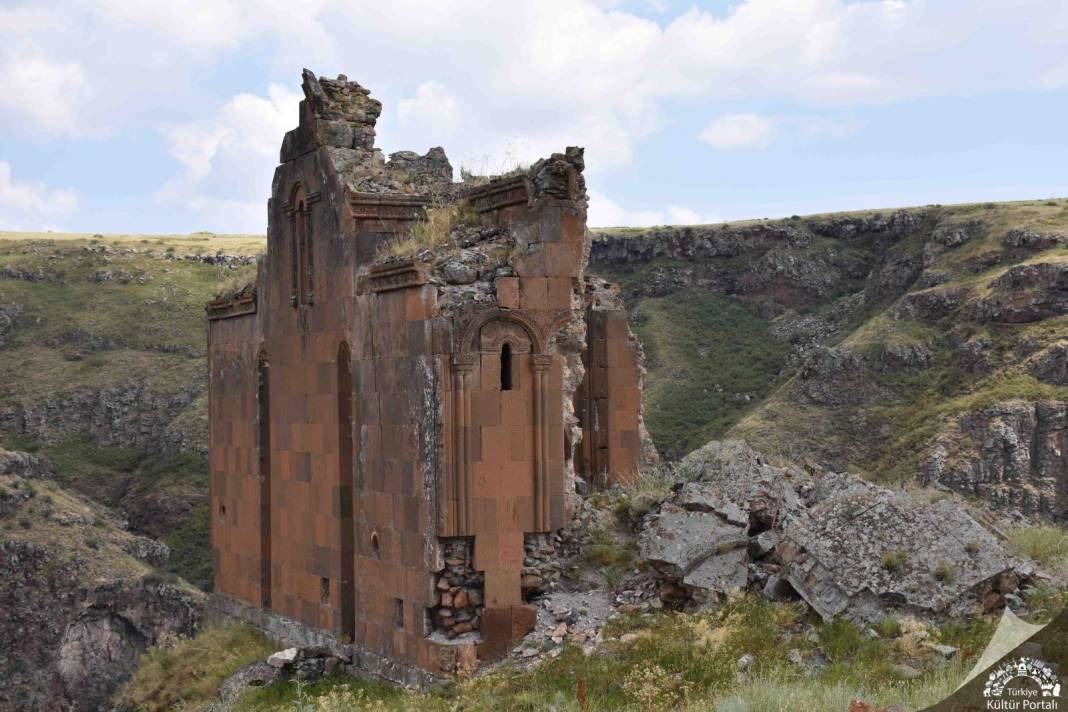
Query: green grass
x,y
190,548
185,673
132,480
1048,545
686,662
693,343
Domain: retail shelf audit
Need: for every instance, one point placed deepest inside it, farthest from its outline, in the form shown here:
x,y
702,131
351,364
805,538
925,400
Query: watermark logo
x,y
1000,695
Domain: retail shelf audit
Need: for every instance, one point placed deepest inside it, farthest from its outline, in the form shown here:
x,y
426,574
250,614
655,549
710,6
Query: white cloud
x,y
549,66
549,74
228,159
433,110
755,131
604,212
739,131
41,96
30,205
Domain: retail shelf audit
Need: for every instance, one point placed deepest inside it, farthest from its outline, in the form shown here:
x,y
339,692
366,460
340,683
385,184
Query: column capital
x,y
464,363
541,362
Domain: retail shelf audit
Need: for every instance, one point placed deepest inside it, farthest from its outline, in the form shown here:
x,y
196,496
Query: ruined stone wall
x,y
233,456
367,410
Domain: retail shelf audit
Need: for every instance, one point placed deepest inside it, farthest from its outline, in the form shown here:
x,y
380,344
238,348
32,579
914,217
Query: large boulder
x,y
846,546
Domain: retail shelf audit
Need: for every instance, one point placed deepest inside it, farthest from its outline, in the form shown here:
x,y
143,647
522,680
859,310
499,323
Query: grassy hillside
x,y
800,334
838,360
102,346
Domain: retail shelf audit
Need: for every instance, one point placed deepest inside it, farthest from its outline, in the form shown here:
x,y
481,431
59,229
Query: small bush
x,y
889,627
943,572
841,639
894,560
25,523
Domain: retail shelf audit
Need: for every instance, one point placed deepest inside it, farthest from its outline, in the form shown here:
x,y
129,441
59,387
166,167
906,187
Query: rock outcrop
x,y
79,603
846,546
1013,454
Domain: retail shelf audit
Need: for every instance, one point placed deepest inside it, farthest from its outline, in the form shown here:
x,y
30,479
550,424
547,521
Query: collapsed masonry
x,y
393,436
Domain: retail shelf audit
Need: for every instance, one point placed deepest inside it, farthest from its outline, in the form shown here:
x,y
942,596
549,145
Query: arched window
x,y
506,367
301,228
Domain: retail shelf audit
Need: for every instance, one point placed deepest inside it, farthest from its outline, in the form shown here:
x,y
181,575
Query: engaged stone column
x,y
462,486
541,363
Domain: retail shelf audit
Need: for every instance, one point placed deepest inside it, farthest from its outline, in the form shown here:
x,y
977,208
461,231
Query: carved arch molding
x,y
486,332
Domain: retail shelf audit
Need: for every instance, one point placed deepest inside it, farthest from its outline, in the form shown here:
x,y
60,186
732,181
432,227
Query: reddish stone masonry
x,y
395,440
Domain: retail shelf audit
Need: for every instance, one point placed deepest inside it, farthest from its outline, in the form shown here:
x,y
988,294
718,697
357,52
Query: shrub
x,y
894,560
889,627
943,572
841,639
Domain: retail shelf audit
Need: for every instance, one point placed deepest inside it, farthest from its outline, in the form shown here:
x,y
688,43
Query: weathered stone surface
x,y
844,539
1025,293
1032,240
929,304
679,542
956,234
1051,364
1013,454
848,547
282,658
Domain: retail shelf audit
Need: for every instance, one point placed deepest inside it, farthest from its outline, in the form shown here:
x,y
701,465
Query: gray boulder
x,y
846,546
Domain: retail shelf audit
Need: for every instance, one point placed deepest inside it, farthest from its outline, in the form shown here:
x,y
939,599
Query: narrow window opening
x,y
324,591
376,549
506,368
222,513
398,613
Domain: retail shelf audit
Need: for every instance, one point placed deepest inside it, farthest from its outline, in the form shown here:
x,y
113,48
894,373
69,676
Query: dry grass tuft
x,y
433,230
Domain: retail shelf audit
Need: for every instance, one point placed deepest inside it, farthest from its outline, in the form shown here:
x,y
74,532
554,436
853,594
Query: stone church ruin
x,y
397,419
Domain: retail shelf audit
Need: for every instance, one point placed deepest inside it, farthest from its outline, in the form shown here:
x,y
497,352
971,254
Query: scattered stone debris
x,y
846,546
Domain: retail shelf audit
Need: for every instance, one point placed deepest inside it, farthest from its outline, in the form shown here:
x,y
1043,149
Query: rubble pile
x,y
460,590
846,546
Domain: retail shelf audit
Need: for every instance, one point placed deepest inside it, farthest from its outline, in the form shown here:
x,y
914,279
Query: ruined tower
x,y
401,405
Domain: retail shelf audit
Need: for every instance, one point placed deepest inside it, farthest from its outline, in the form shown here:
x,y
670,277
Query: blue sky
x,y
126,116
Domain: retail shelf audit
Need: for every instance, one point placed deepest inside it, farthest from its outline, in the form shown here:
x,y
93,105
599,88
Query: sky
x,y
126,116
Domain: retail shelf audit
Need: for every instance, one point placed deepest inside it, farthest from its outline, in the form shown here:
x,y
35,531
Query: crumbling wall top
x,y
341,100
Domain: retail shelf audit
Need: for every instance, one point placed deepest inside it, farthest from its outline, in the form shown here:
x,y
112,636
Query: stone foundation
x,y
288,633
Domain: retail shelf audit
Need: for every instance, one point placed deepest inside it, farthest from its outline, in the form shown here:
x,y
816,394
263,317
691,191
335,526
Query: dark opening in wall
x,y
324,591
506,367
398,613
376,549
222,513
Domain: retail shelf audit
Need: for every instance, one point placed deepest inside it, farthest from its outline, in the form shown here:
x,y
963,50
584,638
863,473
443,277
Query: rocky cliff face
x,y
917,344
1012,454
79,596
